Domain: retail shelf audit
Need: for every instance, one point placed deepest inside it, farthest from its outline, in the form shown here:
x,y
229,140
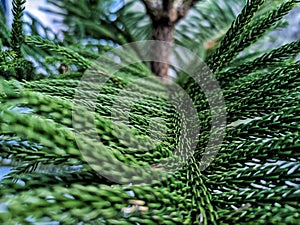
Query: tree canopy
x,y
46,124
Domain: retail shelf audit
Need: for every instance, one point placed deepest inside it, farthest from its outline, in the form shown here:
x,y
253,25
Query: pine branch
x,y
17,36
236,30
69,55
261,93
270,59
249,34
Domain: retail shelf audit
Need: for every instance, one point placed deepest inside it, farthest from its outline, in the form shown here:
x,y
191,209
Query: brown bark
x,y
162,31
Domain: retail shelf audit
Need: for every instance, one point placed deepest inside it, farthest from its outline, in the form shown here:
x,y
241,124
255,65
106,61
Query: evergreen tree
x,y
254,178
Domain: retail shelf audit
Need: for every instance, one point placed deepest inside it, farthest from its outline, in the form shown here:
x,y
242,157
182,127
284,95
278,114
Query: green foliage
x,y
254,179
272,59
124,23
12,63
17,37
62,54
243,32
4,32
206,23
89,19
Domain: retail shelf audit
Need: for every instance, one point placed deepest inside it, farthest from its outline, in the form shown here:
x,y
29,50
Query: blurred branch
x,y
166,8
184,8
167,5
150,9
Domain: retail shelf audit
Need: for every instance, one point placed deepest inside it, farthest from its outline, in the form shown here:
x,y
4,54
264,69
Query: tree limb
x,y
184,8
149,8
167,4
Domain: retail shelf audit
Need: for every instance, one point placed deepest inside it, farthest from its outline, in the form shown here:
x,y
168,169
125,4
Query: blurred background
x,y
97,24
36,8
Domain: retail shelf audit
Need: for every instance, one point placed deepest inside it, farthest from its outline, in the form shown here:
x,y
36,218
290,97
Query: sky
x,y
33,6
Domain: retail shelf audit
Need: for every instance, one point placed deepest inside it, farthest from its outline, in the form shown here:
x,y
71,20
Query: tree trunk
x,y
164,15
163,30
